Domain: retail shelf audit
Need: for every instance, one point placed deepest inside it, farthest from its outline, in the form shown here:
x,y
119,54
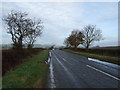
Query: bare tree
x,y
34,30
91,34
16,23
76,38
22,28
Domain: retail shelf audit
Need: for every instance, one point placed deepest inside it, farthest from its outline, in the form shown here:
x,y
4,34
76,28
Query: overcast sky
x,y
60,18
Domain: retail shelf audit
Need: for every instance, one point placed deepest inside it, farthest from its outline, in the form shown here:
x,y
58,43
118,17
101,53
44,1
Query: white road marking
x,y
60,63
65,60
111,65
103,72
48,61
52,84
69,74
50,54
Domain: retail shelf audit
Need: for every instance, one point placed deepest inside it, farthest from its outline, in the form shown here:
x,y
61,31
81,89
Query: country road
x,y
69,70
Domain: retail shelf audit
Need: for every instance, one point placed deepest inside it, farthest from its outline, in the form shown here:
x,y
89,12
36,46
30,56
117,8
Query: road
x,y
69,70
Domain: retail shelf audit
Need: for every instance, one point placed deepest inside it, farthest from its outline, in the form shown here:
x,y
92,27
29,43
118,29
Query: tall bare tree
x,y
20,27
91,34
16,22
34,30
76,38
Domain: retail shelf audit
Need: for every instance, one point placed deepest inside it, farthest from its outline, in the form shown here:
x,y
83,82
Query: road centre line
x,y
65,60
60,62
66,70
103,72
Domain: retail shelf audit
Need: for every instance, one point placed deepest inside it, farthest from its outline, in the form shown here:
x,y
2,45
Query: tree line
x,y
86,37
22,29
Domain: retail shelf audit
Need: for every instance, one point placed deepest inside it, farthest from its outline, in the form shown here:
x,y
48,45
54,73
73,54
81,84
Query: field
x,y
30,74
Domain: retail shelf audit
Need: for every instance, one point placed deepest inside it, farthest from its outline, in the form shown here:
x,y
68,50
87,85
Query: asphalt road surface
x,y
69,70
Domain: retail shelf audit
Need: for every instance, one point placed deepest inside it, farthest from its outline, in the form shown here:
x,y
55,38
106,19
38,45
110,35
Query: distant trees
x,y
91,34
22,29
75,38
86,36
67,43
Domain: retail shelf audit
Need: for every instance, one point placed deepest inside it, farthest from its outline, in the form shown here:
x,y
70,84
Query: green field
x,y
31,74
111,59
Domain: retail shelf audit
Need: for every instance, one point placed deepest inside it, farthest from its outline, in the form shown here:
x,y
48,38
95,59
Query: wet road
x,y
69,70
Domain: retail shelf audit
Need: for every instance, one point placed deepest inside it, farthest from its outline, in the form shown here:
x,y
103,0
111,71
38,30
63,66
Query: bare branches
x,y
33,32
86,36
91,34
22,28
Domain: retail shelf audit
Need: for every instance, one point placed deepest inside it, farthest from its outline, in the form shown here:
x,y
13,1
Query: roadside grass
x,y
111,59
12,58
31,74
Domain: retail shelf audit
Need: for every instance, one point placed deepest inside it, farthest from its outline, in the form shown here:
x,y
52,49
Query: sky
x,y
60,18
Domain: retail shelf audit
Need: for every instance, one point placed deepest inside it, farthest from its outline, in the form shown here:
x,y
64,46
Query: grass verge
x,y
31,74
110,59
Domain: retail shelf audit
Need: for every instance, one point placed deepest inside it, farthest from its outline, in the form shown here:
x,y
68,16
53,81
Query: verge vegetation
x,y
103,57
30,74
12,57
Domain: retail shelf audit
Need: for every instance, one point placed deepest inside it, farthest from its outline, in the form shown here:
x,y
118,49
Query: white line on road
x,y
65,60
69,74
49,59
52,84
52,77
60,63
103,72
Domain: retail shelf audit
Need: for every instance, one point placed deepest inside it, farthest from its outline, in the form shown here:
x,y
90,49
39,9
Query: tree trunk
x,y
29,46
87,46
20,43
75,47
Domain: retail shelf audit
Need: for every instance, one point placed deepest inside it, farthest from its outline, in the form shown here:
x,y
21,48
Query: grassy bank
x,y
31,74
110,59
12,57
